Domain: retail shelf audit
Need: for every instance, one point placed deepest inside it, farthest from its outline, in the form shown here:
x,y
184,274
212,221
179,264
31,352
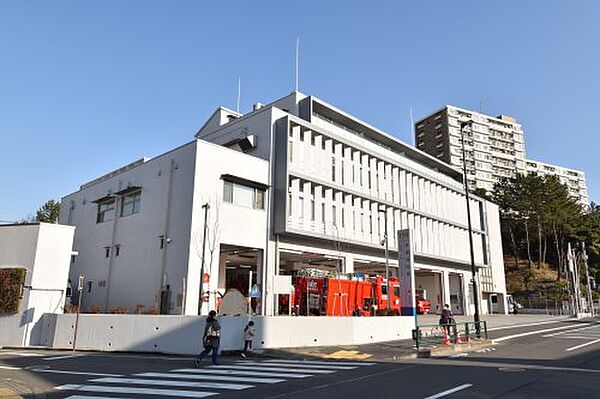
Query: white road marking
x,y
212,377
9,368
571,331
129,390
51,371
92,397
460,355
526,325
187,384
324,363
261,368
299,364
449,391
242,372
61,357
506,338
583,345
23,354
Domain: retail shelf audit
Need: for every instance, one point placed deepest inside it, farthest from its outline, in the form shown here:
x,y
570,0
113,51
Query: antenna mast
x,y
239,93
412,125
297,56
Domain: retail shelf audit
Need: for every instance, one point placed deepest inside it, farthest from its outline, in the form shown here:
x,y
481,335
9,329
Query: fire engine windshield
x,y
384,289
397,291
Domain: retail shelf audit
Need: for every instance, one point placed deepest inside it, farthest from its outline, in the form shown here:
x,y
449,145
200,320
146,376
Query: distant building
x,y
495,146
573,179
494,149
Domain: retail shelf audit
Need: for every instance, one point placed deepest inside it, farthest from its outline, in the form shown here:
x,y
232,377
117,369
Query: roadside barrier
x,y
449,334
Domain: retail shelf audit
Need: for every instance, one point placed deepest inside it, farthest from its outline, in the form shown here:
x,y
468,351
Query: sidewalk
x,y
396,350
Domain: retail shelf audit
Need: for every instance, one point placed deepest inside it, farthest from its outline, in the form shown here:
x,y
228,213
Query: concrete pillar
x,y
445,288
467,296
349,264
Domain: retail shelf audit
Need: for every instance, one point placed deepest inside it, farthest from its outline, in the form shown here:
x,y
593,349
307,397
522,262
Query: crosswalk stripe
x,y
323,362
212,377
242,372
299,364
92,397
187,384
131,390
262,368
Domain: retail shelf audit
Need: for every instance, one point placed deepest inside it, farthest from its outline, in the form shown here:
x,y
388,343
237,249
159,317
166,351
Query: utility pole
x,y
587,277
206,206
473,269
387,257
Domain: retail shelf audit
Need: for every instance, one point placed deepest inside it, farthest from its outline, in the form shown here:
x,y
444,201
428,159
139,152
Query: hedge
x,y
11,286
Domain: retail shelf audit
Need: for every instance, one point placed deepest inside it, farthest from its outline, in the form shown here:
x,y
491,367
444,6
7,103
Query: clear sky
x,y
88,86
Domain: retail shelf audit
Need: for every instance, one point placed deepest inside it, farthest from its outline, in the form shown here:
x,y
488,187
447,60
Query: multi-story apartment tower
x,y
573,179
494,146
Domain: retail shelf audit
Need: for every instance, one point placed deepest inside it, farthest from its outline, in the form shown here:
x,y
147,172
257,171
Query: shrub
x,y
11,289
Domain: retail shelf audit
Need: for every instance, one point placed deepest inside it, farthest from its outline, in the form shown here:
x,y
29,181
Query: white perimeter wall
x,y
44,251
182,334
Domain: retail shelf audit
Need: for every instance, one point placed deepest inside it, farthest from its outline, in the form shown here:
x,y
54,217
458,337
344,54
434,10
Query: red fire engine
x,y
325,296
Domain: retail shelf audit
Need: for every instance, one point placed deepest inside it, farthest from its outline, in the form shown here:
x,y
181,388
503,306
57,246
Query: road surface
x,y
554,360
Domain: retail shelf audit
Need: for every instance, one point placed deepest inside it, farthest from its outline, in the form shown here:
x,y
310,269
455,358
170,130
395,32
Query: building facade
x,y
494,149
573,179
295,184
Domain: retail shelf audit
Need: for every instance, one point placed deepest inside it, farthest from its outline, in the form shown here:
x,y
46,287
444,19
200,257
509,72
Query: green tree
x,y
48,213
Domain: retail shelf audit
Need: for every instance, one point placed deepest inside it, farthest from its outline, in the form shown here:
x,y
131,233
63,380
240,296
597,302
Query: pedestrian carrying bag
x,y
212,333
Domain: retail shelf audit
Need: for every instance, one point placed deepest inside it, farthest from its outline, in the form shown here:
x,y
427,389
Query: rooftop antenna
x,y
297,56
412,124
239,94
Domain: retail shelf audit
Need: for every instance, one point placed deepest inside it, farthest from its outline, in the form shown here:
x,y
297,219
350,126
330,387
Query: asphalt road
x,y
557,360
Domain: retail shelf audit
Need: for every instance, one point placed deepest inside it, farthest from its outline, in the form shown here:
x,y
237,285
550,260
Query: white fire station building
x,y
292,185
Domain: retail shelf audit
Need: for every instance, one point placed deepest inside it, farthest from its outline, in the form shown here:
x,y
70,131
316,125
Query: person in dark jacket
x,y
211,338
447,318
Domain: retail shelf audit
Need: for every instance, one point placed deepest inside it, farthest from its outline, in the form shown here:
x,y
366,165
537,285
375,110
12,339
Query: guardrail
x,y
449,334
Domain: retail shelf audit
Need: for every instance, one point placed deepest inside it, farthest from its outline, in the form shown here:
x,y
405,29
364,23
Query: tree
x,y
48,213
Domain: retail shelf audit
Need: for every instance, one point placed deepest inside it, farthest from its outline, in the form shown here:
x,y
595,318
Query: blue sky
x,y
86,87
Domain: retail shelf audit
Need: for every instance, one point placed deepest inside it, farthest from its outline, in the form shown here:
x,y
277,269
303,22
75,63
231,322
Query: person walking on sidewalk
x,y
210,339
249,333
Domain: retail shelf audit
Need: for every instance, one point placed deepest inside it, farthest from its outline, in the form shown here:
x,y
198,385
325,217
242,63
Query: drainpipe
x,y
163,279
110,251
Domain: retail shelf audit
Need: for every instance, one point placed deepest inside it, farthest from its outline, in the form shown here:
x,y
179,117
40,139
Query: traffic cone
x,y
446,341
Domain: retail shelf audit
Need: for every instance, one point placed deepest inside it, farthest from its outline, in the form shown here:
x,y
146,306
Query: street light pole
x,y
466,185
387,257
587,277
206,206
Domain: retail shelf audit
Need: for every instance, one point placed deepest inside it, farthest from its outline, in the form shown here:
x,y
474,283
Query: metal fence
x,y
449,334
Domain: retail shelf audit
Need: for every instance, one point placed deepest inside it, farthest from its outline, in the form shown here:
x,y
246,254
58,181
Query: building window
x,y
117,250
323,213
343,172
130,203
240,194
312,210
161,242
106,211
343,218
106,252
289,204
301,205
334,215
291,150
332,168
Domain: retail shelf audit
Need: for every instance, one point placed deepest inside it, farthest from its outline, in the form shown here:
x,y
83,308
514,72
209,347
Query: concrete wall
x,y
182,334
44,251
